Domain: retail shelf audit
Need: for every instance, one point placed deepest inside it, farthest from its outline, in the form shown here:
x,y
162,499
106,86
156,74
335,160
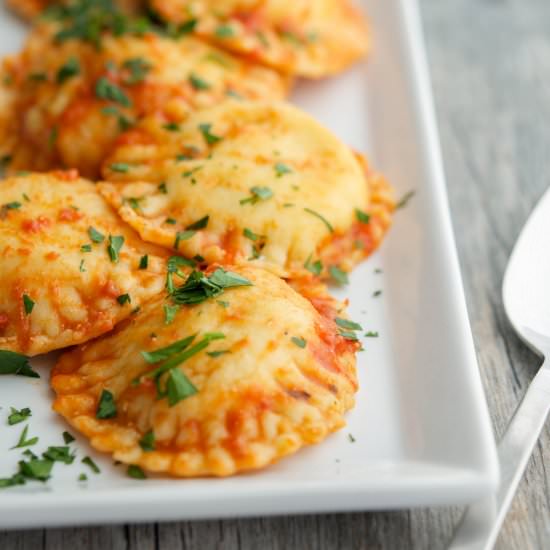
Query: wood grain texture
x,y
490,63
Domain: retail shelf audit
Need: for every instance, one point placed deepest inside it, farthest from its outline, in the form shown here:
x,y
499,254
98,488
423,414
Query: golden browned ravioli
x,y
71,269
311,38
232,380
73,98
249,181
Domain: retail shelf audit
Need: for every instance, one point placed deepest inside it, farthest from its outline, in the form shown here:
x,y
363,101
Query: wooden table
x,y
490,61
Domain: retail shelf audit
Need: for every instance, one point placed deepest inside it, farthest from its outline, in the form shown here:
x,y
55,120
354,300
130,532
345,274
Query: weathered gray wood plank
x,y
490,61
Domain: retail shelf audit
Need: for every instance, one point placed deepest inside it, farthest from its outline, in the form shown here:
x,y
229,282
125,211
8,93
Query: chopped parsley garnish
x,y
198,83
68,70
314,267
120,167
199,224
171,126
257,194
123,121
215,354
371,334
124,299
137,68
15,363
347,324
339,276
224,31
136,472
36,468
249,234
52,138
106,407
362,217
23,441
147,442
68,438
144,262
59,454
209,137
376,293
348,335
198,287
405,200
17,416
173,268
182,236
115,244
162,188
170,221
14,205
107,90
322,218
170,313
91,464
189,173
177,385
82,477
95,235
28,304
86,248
300,342
351,438
282,169
81,267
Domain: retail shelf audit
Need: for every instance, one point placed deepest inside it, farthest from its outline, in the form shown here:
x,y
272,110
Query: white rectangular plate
x,y
421,431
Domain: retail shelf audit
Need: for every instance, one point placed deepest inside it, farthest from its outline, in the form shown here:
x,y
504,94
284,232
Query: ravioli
x,y
71,269
311,38
73,99
251,375
249,181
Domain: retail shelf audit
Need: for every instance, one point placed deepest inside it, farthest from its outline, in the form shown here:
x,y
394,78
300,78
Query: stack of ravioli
x,y
187,272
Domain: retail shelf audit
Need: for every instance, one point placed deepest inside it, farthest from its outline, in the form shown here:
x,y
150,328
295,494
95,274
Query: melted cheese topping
x,y
263,398
53,292
310,38
309,183
73,99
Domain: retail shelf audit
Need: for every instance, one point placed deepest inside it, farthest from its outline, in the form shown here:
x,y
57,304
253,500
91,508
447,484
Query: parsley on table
x,y
17,416
23,441
68,438
91,464
371,334
59,454
16,363
404,201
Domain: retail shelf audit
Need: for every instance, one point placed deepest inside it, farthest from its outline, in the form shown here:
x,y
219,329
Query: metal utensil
x,y
526,294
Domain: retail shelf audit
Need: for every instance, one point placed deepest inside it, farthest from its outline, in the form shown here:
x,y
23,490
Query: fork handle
x,y
481,522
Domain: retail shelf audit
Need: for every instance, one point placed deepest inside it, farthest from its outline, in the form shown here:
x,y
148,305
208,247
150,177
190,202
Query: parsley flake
x,y
209,137
257,194
362,217
144,262
136,472
23,441
17,416
107,90
281,169
28,304
198,83
339,276
91,464
95,235
68,70
106,407
321,217
147,442
115,244
300,342
347,324
16,363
